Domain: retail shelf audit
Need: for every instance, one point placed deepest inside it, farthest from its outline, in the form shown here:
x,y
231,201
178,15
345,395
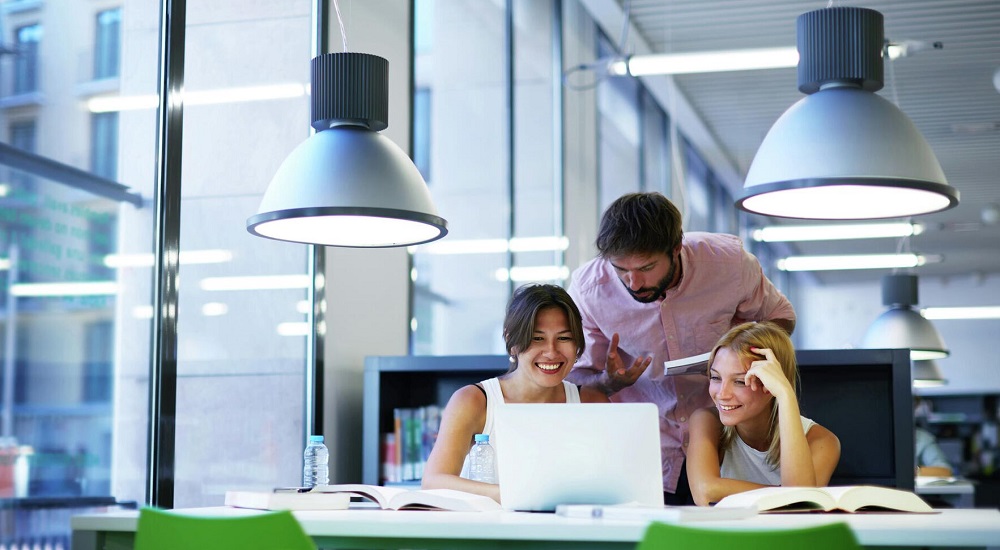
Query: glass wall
x,y
78,216
486,121
242,303
75,298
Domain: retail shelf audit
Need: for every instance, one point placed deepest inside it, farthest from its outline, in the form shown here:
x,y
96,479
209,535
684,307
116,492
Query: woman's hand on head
x,y
766,375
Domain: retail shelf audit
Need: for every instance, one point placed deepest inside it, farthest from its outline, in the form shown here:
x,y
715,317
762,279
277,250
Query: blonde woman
x,y
754,436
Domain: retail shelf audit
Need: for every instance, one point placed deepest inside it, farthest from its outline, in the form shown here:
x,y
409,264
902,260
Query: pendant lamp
x,y
347,185
926,374
901,326
843,152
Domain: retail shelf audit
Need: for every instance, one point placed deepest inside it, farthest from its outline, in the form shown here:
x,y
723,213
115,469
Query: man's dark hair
x,y
522,312
639,223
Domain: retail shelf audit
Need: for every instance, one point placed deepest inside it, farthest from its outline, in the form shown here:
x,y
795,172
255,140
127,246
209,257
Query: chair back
x,y
833,536
166,530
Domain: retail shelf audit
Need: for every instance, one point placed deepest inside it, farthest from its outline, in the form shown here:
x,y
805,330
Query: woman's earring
x,y
512,359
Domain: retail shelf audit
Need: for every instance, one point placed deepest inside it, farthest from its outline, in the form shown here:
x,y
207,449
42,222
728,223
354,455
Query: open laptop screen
x,y
592,453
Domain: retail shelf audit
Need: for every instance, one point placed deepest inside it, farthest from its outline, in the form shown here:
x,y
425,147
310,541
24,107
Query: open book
x,y
849,498
396,498
287,500
696,364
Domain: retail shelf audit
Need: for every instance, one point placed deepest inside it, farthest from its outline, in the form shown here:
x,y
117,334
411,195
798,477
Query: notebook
x,y
589,453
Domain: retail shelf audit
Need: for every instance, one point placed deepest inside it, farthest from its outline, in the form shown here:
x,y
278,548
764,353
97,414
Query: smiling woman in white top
x,y
754,436
543,335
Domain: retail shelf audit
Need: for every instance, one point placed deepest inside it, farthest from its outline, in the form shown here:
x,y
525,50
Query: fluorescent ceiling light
x,y
856,261
294,329
494,246
262,282
534,273
97,288
705,62
204,97
187,257
788,233
4,264
214,309
980,312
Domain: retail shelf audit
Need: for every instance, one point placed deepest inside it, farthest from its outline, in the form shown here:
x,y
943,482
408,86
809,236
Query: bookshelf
x,y
411,381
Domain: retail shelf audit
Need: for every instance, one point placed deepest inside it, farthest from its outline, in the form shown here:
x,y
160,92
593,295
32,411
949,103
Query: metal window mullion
x,y
509,93
558,136
163,368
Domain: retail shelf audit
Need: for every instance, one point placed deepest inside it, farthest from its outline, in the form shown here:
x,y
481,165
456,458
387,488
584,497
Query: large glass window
x,y
461,63
242,305
620,168
107,44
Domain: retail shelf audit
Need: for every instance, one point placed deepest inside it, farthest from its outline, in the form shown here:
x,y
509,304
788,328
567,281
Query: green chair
x,y
834,536
164,530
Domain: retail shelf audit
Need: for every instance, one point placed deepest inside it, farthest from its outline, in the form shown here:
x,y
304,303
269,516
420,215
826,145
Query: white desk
x,y
422,529
959,493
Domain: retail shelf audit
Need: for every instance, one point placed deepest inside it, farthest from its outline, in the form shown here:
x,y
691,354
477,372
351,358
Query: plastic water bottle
x,y
482,460
316,469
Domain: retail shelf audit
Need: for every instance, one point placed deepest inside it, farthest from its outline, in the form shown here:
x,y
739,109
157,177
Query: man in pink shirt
x,y
654,294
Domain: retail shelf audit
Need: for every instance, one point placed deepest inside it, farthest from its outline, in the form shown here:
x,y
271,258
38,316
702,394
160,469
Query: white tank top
x,y
742,461
494,399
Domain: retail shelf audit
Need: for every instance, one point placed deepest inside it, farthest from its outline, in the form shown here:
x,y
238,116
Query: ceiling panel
x,y
948,93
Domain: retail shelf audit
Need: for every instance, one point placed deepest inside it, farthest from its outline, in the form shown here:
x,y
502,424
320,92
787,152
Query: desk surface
x,y
379,528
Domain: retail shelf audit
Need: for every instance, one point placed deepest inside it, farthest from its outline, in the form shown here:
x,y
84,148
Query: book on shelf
x,y
406,448
848,498
287,500
398,498
670,514
696,364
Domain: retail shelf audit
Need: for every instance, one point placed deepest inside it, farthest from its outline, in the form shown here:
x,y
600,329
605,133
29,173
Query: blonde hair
x,y
739,340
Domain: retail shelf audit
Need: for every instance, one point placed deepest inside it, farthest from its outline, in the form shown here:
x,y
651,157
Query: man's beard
x,y
654,293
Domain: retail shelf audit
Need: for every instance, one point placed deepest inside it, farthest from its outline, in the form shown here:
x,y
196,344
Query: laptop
x,y
589,453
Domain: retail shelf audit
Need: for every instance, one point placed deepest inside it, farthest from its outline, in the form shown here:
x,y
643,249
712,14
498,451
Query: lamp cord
x,y
340,21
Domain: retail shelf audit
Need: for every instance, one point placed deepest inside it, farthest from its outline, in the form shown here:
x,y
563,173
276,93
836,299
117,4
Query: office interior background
x,y
521,155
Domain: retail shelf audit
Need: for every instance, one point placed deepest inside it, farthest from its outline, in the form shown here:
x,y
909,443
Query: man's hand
x,y
618,375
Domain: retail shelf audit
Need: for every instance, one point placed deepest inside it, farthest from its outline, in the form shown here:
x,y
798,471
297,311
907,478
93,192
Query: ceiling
x,y
948,93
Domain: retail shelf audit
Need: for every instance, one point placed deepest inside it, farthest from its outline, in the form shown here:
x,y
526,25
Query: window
x,y
26,58
104,145
107,40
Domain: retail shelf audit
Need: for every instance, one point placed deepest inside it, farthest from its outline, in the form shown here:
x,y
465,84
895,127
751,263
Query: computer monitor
x,y
863,396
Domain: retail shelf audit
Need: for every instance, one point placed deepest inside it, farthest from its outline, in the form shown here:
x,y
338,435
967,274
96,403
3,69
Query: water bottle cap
x,y
316,438
483,437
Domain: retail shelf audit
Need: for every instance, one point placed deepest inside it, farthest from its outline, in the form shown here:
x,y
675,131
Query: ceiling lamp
x,y
902,327
348,185
926,374
843,152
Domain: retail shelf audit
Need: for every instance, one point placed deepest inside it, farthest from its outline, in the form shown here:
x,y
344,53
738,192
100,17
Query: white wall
x,y
837,317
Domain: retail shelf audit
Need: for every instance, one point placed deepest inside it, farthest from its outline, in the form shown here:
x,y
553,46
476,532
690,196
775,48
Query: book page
x,y
381,495
860,497
781,499
443,499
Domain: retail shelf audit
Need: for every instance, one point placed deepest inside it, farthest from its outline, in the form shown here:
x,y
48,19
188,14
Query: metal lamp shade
x,y
348,186
845,153
902,327
842,152
926,374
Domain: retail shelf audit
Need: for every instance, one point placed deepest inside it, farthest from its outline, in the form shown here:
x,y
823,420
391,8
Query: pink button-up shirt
x,y
721,285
